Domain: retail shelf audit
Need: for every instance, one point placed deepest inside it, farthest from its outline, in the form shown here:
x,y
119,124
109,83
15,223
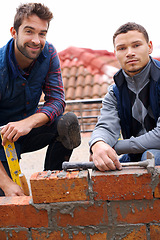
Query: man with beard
x,y
131,106
28,66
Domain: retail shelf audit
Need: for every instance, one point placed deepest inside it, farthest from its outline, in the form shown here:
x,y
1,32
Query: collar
x,y
154,72
139,80
15,70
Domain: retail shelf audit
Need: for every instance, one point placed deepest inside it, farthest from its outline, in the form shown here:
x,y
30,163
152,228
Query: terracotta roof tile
x,y
104,88
80,81
71,82
89,80
65,63
70,93
89,69
65,72
87,91
86,74
96,92
78,92
73,71
80,70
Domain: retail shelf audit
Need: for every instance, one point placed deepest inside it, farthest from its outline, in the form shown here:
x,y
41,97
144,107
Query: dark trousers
x,y
37,139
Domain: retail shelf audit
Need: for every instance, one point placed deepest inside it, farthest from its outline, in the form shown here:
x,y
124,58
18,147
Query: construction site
x,y
83,204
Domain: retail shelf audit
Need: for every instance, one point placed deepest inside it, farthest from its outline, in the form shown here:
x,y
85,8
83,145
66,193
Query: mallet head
x,y
151,162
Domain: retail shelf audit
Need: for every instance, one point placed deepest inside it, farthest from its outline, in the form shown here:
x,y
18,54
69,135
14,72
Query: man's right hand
x,y
104,157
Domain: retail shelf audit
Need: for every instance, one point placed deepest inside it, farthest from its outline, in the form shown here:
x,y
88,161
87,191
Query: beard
x,y
136,70
30,55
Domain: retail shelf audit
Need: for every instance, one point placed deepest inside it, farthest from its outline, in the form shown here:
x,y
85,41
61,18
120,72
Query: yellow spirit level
x,y
12,160
14,167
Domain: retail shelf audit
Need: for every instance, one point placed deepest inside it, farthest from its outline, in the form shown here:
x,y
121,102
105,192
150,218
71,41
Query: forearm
x,y
108,127
37,120
149,140
13,130
4,178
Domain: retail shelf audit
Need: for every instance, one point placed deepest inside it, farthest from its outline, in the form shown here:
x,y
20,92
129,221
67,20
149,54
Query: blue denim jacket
x,y
19,97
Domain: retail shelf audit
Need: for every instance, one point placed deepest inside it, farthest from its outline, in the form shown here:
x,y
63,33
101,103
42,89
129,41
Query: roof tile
x,y
87,91
70,93
71,82
89,69
86,74
89,79
78,92
65,72
96,91
80,70
80,81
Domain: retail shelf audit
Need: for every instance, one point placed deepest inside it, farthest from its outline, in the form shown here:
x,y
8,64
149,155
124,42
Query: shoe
x,y
69,131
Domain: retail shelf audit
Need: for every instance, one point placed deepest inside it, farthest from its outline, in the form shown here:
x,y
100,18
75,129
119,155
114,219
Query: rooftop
x,y
87,73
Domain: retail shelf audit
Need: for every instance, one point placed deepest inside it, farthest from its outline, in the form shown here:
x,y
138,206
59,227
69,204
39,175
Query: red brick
x,y
137,234
157,191
128,184
16,211
3,235
48,234
134,212
154,232
83,216
60,187
157,188
17,235
79,236
98,236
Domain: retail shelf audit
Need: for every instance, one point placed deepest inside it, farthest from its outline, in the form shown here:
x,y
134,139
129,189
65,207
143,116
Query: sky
x,y
89,23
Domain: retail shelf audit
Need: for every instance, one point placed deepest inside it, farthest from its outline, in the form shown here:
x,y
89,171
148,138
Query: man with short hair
x,y
132,105
28,66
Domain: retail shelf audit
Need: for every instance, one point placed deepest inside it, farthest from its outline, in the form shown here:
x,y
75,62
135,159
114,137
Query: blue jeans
x,y
37,139
142,157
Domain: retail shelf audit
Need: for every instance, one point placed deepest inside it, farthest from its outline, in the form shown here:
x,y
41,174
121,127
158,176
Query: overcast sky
x,y
89,23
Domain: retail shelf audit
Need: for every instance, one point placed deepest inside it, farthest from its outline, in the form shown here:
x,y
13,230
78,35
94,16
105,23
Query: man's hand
x,y
13,130
104,157
9,187
12,189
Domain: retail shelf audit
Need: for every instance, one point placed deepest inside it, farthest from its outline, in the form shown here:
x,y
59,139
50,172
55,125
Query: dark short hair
x,y
26,10
131,26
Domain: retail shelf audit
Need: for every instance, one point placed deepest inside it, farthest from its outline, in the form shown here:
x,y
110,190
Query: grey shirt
x,y
108,126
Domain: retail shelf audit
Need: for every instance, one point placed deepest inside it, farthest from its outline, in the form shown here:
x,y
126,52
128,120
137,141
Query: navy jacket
x,y
19,96
123,101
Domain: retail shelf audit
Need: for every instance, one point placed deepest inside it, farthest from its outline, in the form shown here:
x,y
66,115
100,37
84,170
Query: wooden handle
x,y
24,184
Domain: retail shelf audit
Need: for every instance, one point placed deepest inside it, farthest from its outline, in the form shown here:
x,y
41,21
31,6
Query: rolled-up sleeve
x,y
53,88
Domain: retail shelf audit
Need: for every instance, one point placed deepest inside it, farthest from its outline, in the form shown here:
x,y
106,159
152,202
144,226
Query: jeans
x,y
38,138
141,157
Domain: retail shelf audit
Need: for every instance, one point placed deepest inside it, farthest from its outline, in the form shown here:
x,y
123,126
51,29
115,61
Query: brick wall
x,y
81,206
